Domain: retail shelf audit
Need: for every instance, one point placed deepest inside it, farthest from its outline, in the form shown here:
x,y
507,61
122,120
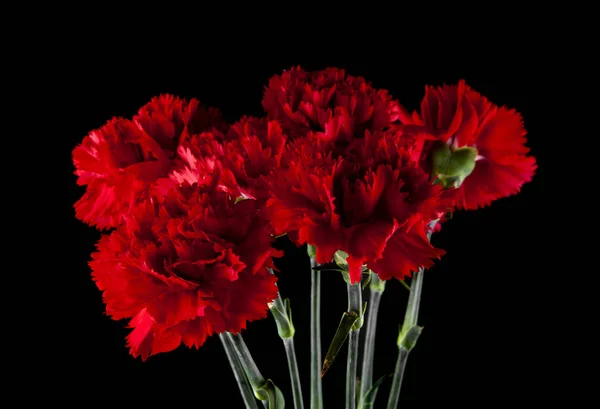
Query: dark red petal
x,y
361,197
324,238
195,332
367,241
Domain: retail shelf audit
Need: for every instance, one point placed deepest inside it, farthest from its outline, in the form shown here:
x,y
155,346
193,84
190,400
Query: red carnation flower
x,y
186,265
486,142
336,106
119,161
253,149
374,203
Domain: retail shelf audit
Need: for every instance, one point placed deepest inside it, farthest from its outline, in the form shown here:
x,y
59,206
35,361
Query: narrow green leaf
x,y
272,394
404,284
346,323
327,266
369,400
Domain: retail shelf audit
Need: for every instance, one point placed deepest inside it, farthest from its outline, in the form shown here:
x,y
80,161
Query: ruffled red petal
x,y
254,148
461,117
405,252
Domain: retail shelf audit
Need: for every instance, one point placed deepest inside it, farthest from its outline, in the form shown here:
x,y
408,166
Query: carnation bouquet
x,y
190,206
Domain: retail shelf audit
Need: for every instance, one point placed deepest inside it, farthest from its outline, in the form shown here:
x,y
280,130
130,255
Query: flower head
x,y
374,203
335,106
118,162
474,144
190,262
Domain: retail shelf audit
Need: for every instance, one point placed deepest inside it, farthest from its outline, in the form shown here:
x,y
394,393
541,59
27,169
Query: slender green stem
x,y
238,372
376,287
316,387
354,305
351,369
259,385
414,302
243,354
410,321
409,332
398,376
294,374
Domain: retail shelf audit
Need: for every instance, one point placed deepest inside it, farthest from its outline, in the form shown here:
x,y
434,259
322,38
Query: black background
x,y
480,302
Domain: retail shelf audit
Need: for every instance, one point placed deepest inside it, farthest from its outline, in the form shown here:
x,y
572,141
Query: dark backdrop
x,y
480,301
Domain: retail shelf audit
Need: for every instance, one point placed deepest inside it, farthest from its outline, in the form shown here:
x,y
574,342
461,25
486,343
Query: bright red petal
x,y
405,253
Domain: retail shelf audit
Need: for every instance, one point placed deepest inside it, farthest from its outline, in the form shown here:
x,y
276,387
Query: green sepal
x,y
376,284
452,166
339,257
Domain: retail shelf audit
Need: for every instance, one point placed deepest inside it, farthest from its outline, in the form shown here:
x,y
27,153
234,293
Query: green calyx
x,y
452,166
340,259
376,284
282,312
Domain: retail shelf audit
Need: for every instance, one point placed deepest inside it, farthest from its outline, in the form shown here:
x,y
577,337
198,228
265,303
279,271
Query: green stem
x,y
354,305
398,376
294,374
264,390
410,322
250,368
238,372
376,287
316,387
414,302
409,332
